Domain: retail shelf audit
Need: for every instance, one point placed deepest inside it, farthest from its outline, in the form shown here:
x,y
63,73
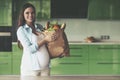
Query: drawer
x,y
60,67
16,67
103,67
5,67
17,52
71,59
80,52
5,62
104,52
70,69
17,56
5,55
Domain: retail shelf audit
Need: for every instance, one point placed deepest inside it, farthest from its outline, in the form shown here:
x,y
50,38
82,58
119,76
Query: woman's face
x,y
29,15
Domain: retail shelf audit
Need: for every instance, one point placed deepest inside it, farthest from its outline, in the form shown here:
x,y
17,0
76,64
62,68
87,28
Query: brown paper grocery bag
x,y
59,47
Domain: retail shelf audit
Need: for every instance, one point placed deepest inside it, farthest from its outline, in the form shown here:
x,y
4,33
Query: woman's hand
x,y
50,36
46,37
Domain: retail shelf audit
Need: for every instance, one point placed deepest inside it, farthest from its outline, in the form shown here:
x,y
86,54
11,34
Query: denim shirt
x,y
24,34
30,56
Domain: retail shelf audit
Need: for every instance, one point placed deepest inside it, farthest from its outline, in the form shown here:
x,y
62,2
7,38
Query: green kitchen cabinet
x,y
76,64
84,59
5,13
98,9
16,60
89,60
5,63
115,14
104,10
104,59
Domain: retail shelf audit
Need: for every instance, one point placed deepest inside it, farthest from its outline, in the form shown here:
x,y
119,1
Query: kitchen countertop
x,y
92,43
17,77
95,43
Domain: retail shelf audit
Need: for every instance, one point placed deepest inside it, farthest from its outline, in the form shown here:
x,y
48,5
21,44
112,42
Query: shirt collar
x,y
26,26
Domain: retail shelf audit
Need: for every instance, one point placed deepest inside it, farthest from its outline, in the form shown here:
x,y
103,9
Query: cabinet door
x,y
17,54
104,10
99,9
5,13
115,8
5,63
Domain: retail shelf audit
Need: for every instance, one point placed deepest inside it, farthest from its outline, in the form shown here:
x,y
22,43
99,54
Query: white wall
x,y
79,29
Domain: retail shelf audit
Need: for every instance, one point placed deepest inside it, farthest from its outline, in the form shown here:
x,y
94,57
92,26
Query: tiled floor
x,y
61,78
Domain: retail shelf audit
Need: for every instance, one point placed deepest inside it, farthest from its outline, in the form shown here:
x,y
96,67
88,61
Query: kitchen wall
x,y
79,29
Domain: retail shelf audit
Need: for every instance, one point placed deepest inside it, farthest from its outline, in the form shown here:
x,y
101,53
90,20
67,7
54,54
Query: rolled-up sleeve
x,y
26,43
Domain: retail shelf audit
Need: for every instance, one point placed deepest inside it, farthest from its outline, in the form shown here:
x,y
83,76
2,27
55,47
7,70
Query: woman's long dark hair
x,y
21,19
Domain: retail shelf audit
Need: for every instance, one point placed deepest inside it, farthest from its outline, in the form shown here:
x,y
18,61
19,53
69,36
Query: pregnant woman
x,y
35,59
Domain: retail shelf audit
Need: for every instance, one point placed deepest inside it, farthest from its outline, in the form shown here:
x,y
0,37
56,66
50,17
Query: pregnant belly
x,y
43,57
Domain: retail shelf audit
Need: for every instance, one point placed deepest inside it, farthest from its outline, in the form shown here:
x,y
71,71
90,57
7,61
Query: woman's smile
x,y
29,15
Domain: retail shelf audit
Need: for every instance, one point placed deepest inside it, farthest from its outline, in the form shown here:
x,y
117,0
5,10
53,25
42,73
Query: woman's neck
x,y
30,24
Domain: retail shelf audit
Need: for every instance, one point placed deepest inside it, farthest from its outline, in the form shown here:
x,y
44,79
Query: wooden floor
x,y
3,77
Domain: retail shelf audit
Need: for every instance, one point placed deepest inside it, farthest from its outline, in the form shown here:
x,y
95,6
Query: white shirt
x,y
33,58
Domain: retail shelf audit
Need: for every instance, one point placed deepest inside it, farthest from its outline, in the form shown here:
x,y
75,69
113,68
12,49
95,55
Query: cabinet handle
x,y
69,63
75,55
3,63
76,48
108,48
3,55
107,63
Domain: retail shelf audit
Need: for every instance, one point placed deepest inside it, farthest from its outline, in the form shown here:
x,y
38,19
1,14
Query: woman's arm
x,y
26,43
